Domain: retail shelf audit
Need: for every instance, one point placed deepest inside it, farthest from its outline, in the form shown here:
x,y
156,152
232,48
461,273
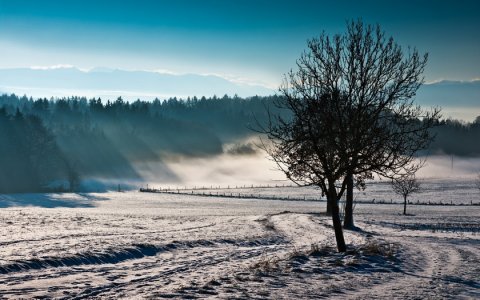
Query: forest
x,y
51,144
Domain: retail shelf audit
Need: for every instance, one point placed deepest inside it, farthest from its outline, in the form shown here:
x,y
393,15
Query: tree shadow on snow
x,y
68,200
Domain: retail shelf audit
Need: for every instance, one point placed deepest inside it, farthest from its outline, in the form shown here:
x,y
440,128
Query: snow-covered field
x,y
141,245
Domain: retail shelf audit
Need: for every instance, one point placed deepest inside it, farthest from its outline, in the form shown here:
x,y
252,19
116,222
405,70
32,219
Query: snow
x,y
144,245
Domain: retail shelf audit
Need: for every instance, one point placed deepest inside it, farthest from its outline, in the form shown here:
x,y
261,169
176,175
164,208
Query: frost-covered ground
x,y
433,190
142,245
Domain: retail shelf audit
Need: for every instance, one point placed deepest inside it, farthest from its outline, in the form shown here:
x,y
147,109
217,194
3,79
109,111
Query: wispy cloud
x,y
54,67
475,79
240,80
164,71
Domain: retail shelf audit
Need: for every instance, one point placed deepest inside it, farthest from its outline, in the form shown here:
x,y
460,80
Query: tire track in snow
x,y
56,238
198,267
435,270
117,255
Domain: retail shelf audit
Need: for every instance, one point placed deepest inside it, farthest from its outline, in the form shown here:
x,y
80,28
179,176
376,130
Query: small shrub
x,y
267,223
266,264
378,248
316,250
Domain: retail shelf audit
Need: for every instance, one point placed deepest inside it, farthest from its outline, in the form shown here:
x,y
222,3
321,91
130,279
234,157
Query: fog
x,y
223,170
442,166
237,170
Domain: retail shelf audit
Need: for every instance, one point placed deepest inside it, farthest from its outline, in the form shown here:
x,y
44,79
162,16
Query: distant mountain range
x,y
458,98
112,83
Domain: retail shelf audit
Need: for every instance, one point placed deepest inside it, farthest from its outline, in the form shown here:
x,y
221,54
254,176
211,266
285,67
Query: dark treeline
x,y
45,141
29,154
454,137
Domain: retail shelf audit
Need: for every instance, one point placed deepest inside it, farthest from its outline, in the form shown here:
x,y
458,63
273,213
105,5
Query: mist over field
x,y
226,170
439,166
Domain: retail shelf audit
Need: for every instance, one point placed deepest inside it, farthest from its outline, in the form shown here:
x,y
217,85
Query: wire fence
x,y
210,192
228,187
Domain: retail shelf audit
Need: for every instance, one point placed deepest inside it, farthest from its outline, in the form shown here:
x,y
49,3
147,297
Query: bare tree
x,y
405,186
351,114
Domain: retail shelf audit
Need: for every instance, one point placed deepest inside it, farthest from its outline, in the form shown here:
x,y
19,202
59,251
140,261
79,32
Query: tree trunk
x,y
337,223
348,218
404,205
329,205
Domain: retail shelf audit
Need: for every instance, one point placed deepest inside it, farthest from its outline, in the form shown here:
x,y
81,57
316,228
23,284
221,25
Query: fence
x,y
203,193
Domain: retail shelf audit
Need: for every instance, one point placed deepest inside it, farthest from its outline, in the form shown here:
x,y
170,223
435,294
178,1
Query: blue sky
x,y
252,41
